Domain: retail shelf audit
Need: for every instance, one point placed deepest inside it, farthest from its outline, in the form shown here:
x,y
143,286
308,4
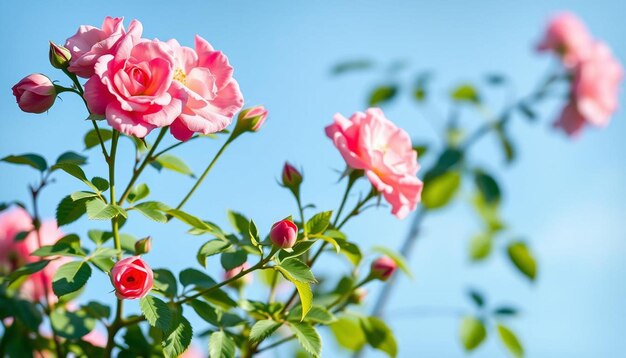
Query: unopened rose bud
x,y
143,246
292,178
35,93
251,119
244,280
382,268
59,56
132,278
284,234
358,296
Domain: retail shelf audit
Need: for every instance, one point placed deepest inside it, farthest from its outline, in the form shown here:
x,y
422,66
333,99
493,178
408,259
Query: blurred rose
x,y
246,279
34,93
132,278
96,338
193,352
213,95
382,268
370,142
568,37
89,43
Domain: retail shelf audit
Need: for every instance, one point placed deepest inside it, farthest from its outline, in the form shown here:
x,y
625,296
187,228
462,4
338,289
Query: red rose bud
x,y
284,234
244,280
59,56
143,246
382,268
291,177
251,119
132,278
35,93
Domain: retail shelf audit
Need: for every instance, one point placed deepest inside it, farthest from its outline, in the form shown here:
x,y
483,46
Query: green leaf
x,y
205,311
263,329
191,220
465,93
138,192
75,171
33,160
253,234
28,269
505,311
379,336
199,279
298,270
97,310
153,210
220,298
70,277
317,314
477,297
80,195
480,247
100,183
382,94
91,138
506,144
472,332
177,341
69,210
308,337
71,157
488,213
211,248
26,312
165,282
303,288
71,325
420,91
350,251
523,259
230,260
99,210
157,313
318,223
221,346
239,222
298,249
510,341
351,66
99,237
449,159
440,191
348,333
68,245
172,163
421,149
527,111
487,186
397,258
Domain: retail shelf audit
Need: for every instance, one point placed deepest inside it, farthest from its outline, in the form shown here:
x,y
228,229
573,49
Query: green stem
x,y
206,171
137,172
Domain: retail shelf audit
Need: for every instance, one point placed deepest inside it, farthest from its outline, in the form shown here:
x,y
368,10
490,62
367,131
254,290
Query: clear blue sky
x,y
565,197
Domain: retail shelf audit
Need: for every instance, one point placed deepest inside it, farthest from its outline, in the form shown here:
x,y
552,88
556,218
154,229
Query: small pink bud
x,y
244,280
251,119
284,234
132,278
59,56
34,93
358,296
291,177
143,246
382,268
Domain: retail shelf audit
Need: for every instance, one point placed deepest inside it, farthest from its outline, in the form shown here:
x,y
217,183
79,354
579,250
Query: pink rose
x,y
213,95
370,142
292,178
595,91
284,234
134,88
16,254
382,268
246,279
251,119
193,352
568,37
34,93
132,278
96,338
89,43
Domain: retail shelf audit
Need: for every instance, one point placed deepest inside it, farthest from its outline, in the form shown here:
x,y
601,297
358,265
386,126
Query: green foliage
x,y
33,160
138,193
221,346
70,210
308,337
71,157
165,282
348,333
157,313
303,288
193,277
510,341
378,335
487,186
480,247
153,210
317,314
28,269
441,190
230,260
318,223
472,332
263,329
99,210
70,277
91,138
465,93
173,163
211,248
178,338
351,66
382,94
72,324
523,259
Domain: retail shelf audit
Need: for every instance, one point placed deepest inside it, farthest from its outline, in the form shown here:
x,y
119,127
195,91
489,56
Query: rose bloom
x,y
133,87
34,93
370,142
14,254
284,234
595,91
89,43
568,37
132,278
213,95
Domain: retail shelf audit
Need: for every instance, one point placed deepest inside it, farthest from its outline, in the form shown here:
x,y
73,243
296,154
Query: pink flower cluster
x,y
372,143
139,84
596,74
15,253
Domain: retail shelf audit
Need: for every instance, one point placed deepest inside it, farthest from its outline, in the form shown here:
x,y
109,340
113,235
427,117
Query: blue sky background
x,y
566,197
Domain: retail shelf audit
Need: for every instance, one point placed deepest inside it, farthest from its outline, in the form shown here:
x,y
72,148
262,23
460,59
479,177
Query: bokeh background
x,y
565,197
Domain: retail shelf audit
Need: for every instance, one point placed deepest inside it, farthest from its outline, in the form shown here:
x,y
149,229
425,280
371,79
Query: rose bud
x,y
357,296
132,278
59,56
251,119
291,178
284,234
244,280
382,268
143,246
34,93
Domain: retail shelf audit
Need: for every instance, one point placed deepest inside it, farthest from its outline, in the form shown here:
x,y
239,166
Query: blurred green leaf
x,y
378,335
34,160
397,258
230,260
71,325
477,297
510,341
71,157
465,93
221,346
199,279
165,282
480,247
523,259
487,186
441,190
351,66
505,311
382,94
472,332
348,333
138,192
